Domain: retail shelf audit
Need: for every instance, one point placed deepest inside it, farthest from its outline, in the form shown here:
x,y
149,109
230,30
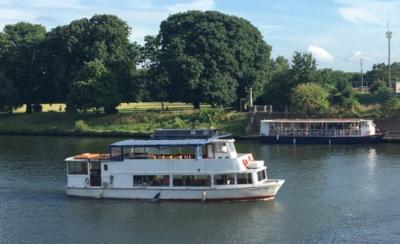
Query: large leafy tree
x,y
211,57
103,38
94,88
20,52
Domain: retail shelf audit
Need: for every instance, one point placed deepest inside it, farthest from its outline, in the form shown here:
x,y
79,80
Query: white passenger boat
x,y
201,168
319,131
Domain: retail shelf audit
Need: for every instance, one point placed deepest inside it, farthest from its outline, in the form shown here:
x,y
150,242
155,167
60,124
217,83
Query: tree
x,y
210,57
9,97
94,88
303,68
309,98
102,37
19,58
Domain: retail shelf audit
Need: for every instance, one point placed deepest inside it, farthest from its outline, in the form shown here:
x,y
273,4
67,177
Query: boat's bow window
x,y
78,168
261,175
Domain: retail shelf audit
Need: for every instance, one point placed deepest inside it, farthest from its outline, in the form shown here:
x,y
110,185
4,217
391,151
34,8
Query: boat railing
x,y
315,132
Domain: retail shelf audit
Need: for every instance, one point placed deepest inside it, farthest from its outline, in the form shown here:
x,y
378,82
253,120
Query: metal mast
x,y
389,35
362,76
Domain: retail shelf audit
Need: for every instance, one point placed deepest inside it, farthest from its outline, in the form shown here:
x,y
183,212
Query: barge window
x,y
151,180
244,178
77,168
116,153
192,180
261,175
228,179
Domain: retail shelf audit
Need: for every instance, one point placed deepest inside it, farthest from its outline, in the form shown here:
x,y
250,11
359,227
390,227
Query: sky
x,y
337,32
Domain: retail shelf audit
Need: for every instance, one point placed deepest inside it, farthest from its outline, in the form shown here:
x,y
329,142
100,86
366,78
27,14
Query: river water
x,y
332,194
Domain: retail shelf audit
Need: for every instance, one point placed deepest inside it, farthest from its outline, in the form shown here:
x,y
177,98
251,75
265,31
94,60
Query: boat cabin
x,y
317,128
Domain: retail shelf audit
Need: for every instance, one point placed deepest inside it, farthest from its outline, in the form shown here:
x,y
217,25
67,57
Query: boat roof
x,y
155,143
315,120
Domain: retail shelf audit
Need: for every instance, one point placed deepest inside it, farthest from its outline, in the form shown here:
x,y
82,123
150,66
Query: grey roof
x,y
154,143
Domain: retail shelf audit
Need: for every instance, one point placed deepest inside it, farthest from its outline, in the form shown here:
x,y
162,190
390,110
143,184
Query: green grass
x,y
139,121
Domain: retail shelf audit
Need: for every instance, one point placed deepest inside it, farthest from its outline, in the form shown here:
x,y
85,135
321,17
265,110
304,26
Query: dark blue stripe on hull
x,y
320,140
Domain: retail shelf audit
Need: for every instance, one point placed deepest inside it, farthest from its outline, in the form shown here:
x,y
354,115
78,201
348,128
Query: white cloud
x,y
320,54
194,5
359,15
369,11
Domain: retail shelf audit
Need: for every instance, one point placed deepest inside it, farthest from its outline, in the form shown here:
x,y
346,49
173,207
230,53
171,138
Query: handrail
x,y
315,132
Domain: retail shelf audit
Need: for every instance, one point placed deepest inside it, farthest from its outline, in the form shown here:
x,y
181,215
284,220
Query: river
x,y
332,194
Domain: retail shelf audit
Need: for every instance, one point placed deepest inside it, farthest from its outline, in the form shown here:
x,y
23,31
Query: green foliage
x,y
208,57
81,126
309,98
94,88
9,96
303,68
391,107
19,59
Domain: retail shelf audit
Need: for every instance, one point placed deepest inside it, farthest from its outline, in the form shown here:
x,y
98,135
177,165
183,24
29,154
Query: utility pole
x,y
251,97
362,76
389,35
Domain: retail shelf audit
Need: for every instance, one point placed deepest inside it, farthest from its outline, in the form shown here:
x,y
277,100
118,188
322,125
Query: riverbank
x,y
133,124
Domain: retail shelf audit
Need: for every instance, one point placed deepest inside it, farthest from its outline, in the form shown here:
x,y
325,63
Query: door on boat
x,y
95,173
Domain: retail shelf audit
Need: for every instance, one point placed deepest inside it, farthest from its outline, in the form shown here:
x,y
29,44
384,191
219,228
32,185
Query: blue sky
x,y
337,32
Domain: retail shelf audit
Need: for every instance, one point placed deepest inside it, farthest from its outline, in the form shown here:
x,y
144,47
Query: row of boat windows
x,y
196,180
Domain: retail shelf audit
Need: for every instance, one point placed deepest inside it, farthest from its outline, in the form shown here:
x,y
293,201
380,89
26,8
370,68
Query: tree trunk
x,y
28,108
162,106
196,105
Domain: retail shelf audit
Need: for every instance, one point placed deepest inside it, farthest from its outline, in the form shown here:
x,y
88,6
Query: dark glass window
x,y
192,180
228,179
77,168
151,180
105,167
261,175
244,178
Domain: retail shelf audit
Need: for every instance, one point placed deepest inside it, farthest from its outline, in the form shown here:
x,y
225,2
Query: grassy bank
x,y
137,122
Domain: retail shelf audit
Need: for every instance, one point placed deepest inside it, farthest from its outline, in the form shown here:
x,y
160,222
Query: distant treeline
x,y
197,57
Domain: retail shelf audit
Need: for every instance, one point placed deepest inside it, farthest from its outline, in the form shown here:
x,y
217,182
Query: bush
x,y
392,107
310,98
80,126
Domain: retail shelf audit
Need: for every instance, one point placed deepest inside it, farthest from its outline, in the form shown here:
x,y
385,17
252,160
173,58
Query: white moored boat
x,y
204,167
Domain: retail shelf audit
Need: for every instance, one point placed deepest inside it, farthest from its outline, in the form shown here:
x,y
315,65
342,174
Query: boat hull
x,y
265,190
320,140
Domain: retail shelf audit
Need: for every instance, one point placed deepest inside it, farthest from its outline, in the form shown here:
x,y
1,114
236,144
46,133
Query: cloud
x,y
368,11
320,54
194,5
359,15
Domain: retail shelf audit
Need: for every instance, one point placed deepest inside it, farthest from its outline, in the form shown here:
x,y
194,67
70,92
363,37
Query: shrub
x,y
310,98
80,126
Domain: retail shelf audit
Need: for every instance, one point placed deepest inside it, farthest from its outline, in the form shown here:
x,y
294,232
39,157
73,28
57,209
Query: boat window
x,y
151,180
231,147
221,147
261,175
191,180
228,179
244,178
105,167
116,154
77,168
